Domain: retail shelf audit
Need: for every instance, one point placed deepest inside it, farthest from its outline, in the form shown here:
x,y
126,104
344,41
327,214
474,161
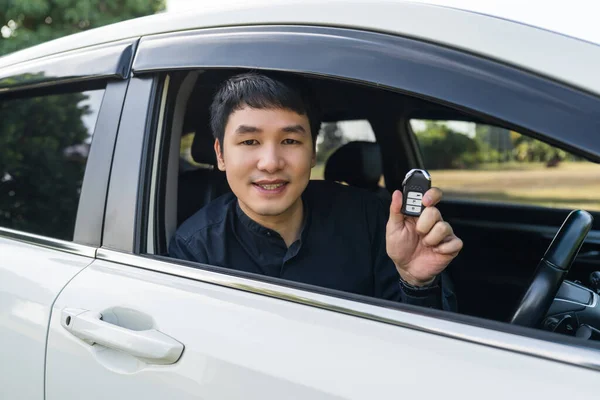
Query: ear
x,y
219,153
313,160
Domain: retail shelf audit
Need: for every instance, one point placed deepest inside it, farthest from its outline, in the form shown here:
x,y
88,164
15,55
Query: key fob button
x,y
413,202
414,209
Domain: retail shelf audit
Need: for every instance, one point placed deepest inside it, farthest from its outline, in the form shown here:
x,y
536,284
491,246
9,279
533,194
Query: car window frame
x,y
161,54
102,61
405,65
105,66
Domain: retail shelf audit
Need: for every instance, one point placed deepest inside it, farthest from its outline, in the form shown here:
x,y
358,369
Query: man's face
x,y
267,156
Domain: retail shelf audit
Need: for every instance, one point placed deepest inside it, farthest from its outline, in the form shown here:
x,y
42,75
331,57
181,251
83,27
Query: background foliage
x,y
44,139
444,148
40,168
28,22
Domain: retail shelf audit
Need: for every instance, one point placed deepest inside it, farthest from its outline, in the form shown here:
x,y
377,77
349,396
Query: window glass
x,y
483,162
44,145
334,135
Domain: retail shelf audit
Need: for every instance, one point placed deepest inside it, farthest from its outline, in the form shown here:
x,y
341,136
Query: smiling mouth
x,y
271,186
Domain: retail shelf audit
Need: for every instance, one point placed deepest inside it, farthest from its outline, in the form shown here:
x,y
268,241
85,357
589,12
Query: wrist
x,y
412,281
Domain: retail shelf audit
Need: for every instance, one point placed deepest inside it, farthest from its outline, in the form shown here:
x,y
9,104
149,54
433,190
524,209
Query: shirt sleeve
x,y
387,282
438,294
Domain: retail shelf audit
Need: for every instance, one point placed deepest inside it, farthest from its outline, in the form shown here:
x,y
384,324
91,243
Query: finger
x,y
440,232
432,197
429,217
396,207
451,247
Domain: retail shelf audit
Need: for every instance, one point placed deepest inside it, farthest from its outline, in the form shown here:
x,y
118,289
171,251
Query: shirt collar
x,y
257,228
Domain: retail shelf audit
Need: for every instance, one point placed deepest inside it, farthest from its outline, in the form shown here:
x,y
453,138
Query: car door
x,y
135,324
52,189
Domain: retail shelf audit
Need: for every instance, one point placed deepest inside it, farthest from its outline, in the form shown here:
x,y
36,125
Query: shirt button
x,y
268,233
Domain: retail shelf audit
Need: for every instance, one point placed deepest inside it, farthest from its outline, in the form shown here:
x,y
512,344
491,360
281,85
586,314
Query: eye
x,y
290,141
249,142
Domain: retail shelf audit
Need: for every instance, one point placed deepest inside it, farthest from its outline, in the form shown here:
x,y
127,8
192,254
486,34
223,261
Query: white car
x,y
105,150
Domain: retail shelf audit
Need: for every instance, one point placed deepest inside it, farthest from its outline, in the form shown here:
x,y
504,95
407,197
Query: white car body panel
x,y
244,345
538,50
30,279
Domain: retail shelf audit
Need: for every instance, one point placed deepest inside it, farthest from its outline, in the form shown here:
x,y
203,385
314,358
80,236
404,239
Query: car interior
x,y
503,243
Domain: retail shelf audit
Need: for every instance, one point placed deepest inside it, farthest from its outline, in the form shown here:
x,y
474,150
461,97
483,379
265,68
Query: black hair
x,y
262,90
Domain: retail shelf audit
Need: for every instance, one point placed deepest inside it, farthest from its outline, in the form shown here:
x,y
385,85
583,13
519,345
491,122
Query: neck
x,y
288,224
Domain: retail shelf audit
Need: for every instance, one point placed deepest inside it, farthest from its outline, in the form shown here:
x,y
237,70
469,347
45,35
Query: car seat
x,y
358,164
198,186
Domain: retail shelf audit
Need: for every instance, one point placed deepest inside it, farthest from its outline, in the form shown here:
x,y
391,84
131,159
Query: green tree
x,y
532,150
495,143
444,148
43,151
25,23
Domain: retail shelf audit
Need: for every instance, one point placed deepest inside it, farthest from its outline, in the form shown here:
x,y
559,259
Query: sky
x,y
578,18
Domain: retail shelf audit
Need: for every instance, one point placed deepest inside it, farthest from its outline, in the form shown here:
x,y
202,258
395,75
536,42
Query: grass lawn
x,y
570,185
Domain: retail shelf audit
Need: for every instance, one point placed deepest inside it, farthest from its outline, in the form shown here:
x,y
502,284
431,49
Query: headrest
x,y
203,150
356,163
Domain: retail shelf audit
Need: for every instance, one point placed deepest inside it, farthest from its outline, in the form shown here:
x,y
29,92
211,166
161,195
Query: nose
x,y
270,159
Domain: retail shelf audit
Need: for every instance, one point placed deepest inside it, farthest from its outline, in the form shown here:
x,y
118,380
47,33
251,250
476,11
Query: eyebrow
x,y
252,129
294,129
247,129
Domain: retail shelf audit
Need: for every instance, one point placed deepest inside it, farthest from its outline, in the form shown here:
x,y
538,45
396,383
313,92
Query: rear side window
x,y
334,135
44,146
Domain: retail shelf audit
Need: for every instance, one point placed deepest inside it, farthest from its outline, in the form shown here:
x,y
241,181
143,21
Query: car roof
x,y
570,20
544,52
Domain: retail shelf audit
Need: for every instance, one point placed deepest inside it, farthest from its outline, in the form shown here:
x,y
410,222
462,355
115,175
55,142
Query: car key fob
x,y
415,184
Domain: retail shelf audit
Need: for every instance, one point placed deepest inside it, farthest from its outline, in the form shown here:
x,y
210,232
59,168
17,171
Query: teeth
x,y
271,187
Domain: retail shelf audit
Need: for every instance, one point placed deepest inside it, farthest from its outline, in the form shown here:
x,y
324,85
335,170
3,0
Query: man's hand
x,y
422,247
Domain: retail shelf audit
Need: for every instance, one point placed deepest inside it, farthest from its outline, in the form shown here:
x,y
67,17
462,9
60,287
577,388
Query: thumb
x,y
396,207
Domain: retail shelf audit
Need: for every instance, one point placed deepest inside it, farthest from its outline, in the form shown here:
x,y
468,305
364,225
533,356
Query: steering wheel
x,y
552,269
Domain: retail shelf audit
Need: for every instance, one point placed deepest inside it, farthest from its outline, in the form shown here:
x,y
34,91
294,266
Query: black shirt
x,y
341,246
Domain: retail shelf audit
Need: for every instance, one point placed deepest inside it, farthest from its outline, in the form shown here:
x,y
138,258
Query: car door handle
x,y
151,345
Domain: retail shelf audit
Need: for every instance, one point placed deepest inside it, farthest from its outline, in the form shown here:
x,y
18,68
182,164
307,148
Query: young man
x,y
278,223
